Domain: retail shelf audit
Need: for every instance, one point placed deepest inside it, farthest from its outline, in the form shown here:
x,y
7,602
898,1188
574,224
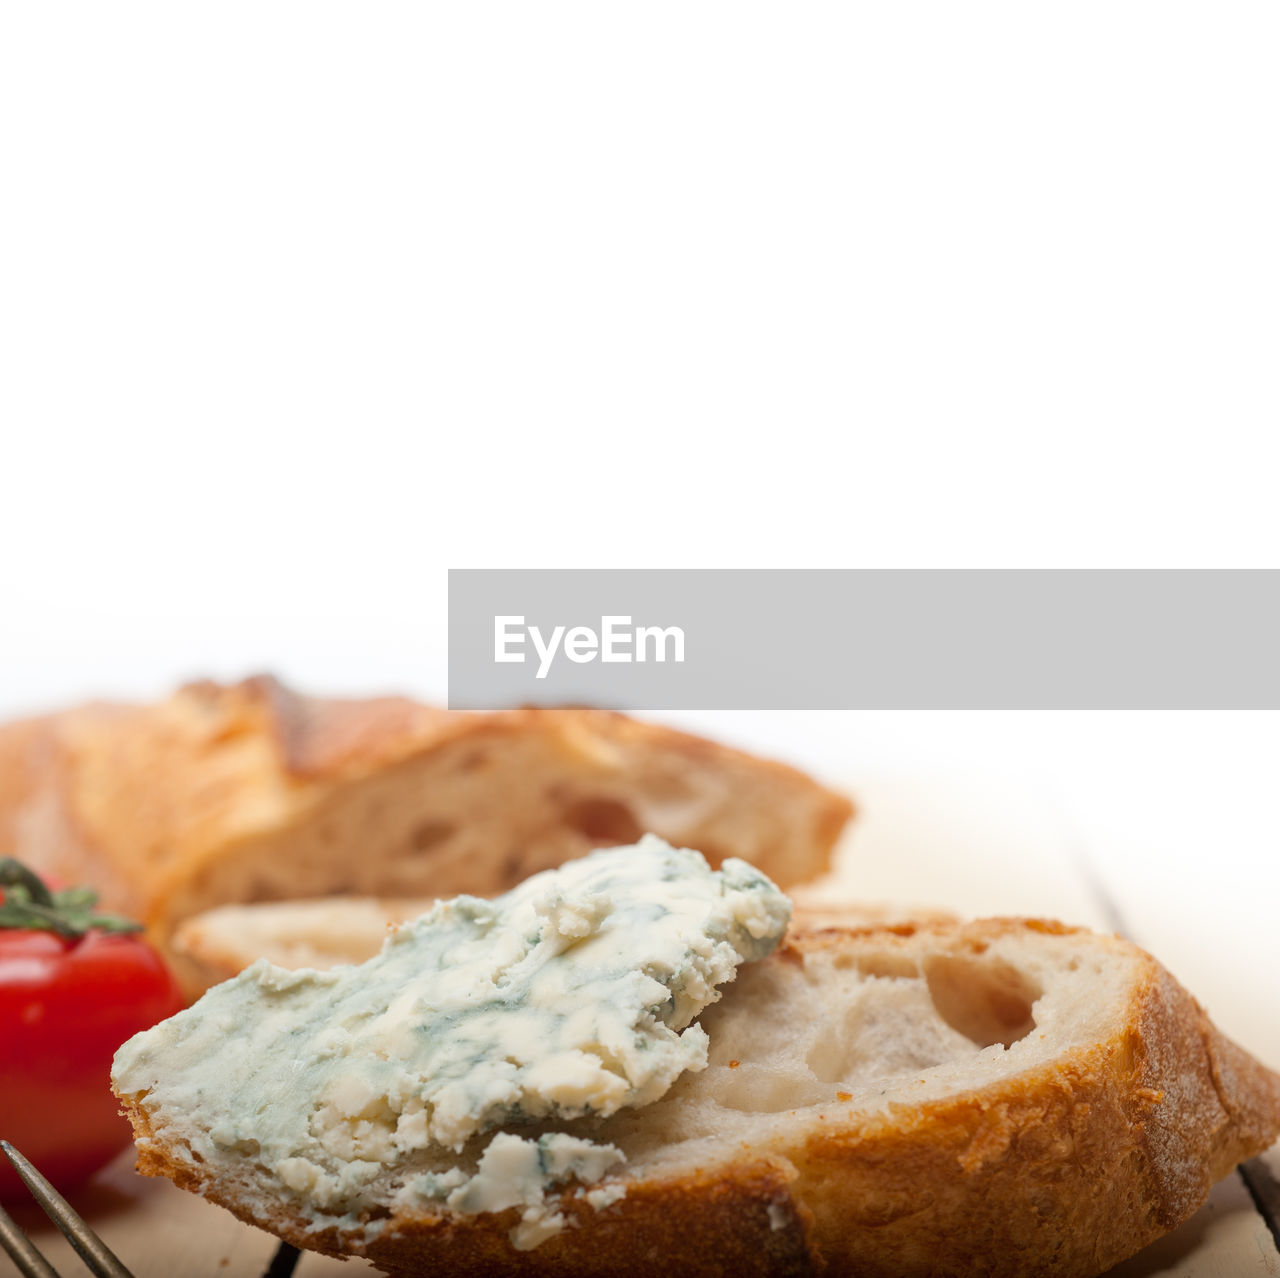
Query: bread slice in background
x,y
216,944
1006,1097
321,932
250,792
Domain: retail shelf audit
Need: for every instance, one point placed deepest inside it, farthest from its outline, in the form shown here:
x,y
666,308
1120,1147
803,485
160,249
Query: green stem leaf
x,y
28,905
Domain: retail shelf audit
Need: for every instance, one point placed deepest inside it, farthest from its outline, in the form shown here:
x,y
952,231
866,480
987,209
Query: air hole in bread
x,y
429,834
472,761
890,965
264,885
604,821
986,1000
758,1088
884,1026
856,1022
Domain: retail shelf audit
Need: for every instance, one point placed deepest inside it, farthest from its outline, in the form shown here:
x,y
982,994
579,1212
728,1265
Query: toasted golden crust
x,y
250,792
1063,1168
740,1219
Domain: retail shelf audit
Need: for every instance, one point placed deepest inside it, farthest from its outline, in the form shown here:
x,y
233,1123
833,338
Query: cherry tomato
x,y
66,1003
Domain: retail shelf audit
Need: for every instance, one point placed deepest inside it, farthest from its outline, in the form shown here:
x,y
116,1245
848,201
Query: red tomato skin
x,y
65,1007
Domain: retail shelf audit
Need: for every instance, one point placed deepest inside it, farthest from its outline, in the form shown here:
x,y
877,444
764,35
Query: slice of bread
x,y
233,794
322,932
1005,1097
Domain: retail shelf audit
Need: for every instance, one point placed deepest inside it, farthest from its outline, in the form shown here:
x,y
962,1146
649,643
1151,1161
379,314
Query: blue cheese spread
x,y
572,995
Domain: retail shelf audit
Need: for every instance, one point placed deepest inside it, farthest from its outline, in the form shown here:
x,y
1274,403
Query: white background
x,y
302,304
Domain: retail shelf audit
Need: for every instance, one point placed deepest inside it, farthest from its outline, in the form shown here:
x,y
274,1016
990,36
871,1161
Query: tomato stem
x,y
28,905
15,874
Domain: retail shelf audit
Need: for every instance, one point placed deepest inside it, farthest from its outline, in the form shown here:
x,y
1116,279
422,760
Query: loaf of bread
x,y
216,944
1006,1097
249,792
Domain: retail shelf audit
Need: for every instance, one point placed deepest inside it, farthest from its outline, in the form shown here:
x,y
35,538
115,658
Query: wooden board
x,y
967,843
161,1231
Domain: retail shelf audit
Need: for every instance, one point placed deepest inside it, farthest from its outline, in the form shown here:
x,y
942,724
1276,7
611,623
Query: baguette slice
x,y
249,792
217,944
1004,1097
320,933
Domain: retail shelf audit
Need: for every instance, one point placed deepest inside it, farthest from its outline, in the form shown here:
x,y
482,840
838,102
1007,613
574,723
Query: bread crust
x,y
1062,1169
223,793
741,1220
